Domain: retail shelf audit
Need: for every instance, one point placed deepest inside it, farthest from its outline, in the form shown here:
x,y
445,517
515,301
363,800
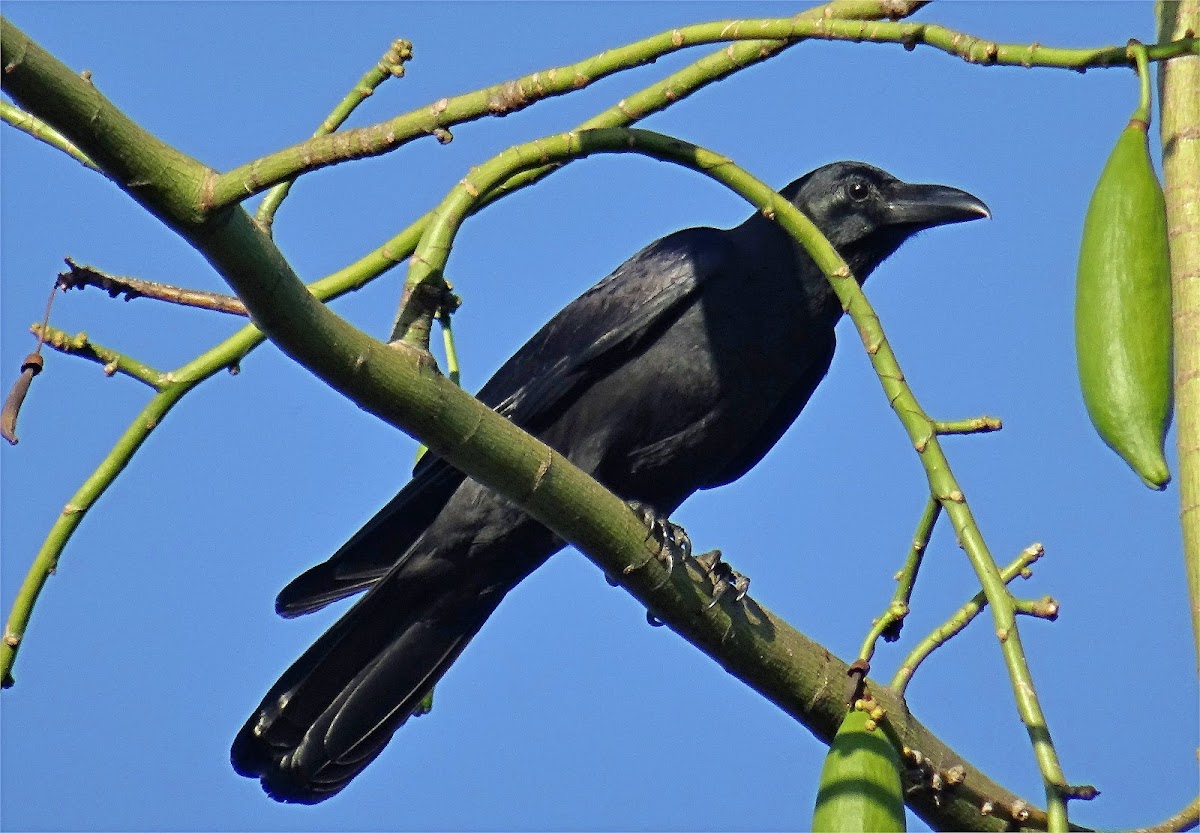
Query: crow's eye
x,y
857,190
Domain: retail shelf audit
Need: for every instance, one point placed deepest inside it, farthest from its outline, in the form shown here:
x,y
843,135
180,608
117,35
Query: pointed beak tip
x,y
964,206
936,205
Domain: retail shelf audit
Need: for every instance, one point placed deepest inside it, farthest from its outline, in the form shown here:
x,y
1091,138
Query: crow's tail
x,y
339,704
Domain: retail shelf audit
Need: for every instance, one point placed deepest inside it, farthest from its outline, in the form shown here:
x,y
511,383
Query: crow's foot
x,y
674,546
673,542
723,577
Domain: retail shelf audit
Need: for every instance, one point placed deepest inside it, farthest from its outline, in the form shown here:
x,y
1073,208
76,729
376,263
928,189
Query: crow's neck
x,y
766,244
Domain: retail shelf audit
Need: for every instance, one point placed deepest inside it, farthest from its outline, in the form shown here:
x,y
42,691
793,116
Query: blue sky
x,y
156,637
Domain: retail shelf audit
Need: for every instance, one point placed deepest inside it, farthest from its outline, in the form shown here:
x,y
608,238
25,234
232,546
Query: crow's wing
x,y
603,328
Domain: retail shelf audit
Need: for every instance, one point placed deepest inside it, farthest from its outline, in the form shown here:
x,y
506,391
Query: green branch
x,y
1046,607
391,65
46,560
511,96
43,132
453,373
975,425
961,618
113,361
889,623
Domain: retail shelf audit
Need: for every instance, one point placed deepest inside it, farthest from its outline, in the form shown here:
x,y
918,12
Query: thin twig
x,y
961,618
888,625
79,277
450,304
113,361
38,129
1046,607
391,65
977,425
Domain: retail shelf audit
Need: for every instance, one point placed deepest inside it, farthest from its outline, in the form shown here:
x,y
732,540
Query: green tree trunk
x,y
1179,92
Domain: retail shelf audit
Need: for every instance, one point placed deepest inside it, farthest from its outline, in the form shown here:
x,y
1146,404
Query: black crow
x,y
675,373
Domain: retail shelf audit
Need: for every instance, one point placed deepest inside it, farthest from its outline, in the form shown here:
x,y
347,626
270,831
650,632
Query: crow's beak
x,y
925,206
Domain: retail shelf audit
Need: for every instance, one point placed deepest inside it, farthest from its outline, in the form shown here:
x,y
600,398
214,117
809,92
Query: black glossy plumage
x,y
677,372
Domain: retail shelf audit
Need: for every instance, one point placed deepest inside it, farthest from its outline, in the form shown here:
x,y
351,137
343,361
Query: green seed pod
x,y
1123,309
860,781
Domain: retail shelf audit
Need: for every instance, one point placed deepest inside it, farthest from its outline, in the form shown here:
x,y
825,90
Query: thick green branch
x,y
166,181
403,387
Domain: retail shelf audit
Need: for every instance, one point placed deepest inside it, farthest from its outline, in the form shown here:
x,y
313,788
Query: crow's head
x,y
866,213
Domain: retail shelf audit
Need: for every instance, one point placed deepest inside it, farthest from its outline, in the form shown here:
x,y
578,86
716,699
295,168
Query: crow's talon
x,y
708,561
719,590
722,576
667,556
644,513
674,545
741,584
678,538
653,621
